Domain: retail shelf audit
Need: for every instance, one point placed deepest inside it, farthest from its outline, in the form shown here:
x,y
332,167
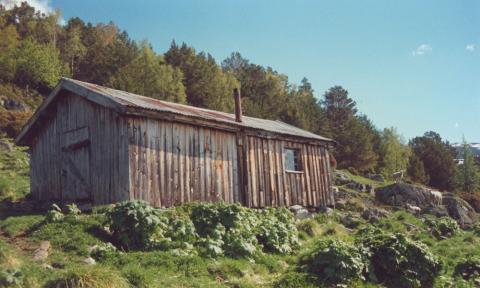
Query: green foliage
x,y
437,158
335,262
394,154
72,209
468,174
136,225
54,214
38,64
14,172
295,280
443,227
147,75
400,262
205,83
91,276
416,170
11,277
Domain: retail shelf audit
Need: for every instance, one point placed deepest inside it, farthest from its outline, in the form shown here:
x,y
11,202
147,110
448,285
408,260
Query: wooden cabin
x,y
100,145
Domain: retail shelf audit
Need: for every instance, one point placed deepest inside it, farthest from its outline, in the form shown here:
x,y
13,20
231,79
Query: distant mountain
x,y
475,147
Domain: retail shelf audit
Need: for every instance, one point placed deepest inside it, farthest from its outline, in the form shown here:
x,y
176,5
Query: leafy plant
x,y
136,224
443,227
72,209
54,214
10,277
335,262
400,262
276,230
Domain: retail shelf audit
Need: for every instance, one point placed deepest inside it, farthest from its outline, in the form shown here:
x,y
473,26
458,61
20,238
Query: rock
x,y
350,221
89,261
42,252
14,105
341,178
401,194
325,210
340,203
413,209
436,210
47,266
374,214
460,210
300,212
376,177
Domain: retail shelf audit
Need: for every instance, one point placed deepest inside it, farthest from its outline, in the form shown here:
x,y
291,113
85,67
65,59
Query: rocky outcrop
x,y
459,210
401,194
376,177
14,105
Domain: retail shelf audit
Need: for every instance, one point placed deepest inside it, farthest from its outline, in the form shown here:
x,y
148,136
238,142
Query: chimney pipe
x,y
238,105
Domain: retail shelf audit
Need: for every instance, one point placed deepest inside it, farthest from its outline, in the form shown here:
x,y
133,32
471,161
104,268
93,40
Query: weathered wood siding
x,y
80,154
269,184
173,163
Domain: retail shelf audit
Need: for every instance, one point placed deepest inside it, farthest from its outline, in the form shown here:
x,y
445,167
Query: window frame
x,y
297,161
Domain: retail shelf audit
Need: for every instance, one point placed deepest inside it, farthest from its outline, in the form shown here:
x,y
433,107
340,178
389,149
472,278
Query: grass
x,y
14,171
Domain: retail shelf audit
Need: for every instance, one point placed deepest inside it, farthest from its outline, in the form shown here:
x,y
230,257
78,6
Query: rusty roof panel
x,y
137,101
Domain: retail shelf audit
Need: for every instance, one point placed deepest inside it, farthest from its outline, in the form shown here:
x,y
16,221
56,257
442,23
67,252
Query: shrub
x,y
136,225
400,262
241,232
101,251
54,214
335,262
468,270
442,227
276,230
72,209
227,227
10,278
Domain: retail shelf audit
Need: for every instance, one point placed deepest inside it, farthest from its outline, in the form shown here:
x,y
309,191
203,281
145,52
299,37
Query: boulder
x,y
89,261
14,105
401,194
41,253
460,210
373,214
341,178
325,210
436,210
300,212
376,177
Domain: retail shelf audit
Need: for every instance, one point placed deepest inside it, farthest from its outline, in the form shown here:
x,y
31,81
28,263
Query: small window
x,y
292,160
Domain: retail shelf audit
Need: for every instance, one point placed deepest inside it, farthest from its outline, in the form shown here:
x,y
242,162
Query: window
x,y
292,160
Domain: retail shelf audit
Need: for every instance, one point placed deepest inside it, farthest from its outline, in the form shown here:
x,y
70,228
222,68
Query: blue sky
x,y
414,65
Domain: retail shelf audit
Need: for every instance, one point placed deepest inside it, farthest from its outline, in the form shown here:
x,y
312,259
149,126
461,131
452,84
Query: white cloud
x,y
421,50
44,6
470,47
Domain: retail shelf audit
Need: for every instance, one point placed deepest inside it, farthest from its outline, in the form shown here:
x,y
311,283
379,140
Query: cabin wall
x,y
104,162
172,163
269,184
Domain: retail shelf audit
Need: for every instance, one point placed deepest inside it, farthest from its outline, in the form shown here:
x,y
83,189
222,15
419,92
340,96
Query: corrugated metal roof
x,y
127,99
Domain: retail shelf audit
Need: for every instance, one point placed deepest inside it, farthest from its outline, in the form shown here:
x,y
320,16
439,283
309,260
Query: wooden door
x,y
76,165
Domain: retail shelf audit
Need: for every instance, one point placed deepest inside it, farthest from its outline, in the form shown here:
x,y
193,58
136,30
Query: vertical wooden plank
x,y
253,173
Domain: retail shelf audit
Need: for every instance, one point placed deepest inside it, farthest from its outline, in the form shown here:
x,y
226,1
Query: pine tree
x,y
416,170
468,178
